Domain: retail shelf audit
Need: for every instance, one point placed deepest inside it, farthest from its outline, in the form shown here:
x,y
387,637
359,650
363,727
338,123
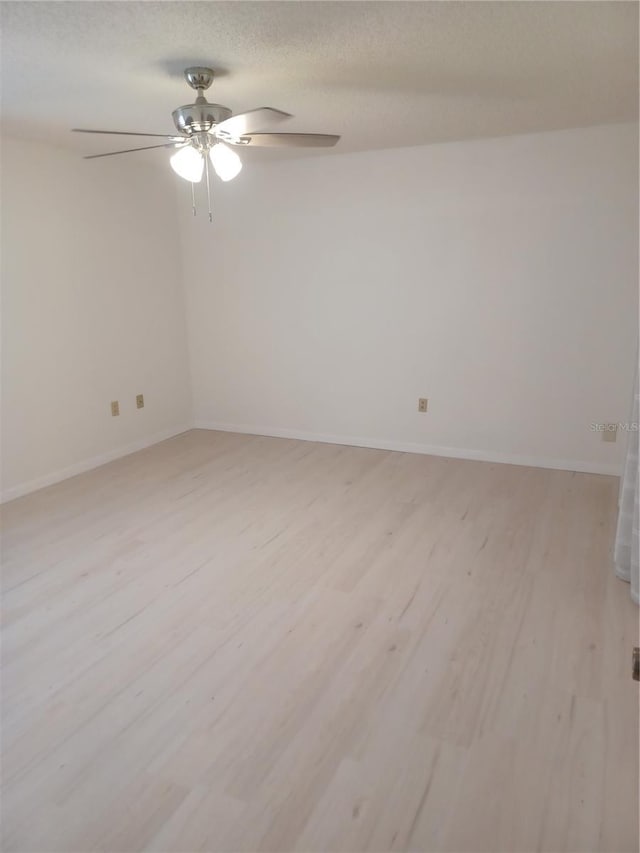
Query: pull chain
x,y
206,168
193,197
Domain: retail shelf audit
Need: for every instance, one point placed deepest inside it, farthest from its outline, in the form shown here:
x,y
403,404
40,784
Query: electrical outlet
x,y
115,408
140,401
610,432
423,403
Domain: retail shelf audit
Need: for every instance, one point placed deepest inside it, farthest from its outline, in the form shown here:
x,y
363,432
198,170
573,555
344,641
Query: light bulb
x,y
188,163
225,161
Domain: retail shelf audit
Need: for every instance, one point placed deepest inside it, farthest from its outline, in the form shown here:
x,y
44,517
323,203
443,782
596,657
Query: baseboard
x,y
88,464
324,438
426,449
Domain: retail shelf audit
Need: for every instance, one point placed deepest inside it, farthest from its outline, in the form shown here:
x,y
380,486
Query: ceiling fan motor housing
x,y
199,118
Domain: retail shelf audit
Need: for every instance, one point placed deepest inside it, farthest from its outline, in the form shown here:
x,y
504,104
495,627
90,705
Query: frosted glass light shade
x,y
188,163
226,162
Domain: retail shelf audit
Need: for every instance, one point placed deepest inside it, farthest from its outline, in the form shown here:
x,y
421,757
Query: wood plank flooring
x,y
235,643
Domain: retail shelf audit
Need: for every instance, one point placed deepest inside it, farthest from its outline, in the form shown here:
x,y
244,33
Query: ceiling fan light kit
x,y
205,132
188,163
226,162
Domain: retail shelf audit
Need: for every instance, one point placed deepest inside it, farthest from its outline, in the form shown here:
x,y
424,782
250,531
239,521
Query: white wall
x,y
497,278
93,311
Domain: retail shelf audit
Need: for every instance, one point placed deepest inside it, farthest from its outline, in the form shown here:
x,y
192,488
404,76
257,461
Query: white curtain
x,y
626,546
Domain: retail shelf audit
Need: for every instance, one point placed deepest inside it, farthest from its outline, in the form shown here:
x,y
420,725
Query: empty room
x,y
319,427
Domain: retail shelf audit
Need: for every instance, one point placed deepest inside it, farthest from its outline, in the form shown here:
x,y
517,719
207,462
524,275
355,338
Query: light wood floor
x,y
234,643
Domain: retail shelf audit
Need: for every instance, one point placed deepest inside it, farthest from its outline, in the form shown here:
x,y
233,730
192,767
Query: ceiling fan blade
x,y
128,133
290,140
245,123
130,150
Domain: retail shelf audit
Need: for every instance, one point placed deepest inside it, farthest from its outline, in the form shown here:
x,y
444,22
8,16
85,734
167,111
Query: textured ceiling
x,y
381,74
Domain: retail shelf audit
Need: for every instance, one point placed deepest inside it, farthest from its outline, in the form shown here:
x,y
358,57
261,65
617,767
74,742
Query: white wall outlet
x,y
423,404
115,408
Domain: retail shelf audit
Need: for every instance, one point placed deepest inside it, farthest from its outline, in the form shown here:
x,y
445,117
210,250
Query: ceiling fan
x,y
206,130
